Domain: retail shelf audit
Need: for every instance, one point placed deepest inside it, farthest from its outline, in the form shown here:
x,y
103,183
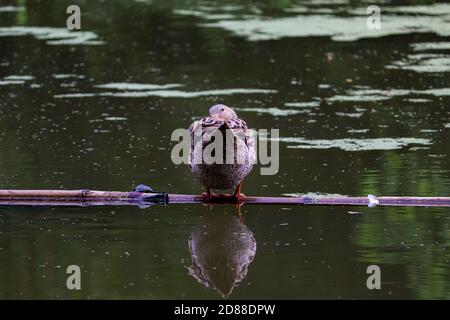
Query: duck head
x,y
222,112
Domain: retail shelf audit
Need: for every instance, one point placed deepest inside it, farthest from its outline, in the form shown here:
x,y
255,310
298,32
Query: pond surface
x,y
359,111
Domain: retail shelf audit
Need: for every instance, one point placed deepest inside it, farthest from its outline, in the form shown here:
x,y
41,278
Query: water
x,y
359,113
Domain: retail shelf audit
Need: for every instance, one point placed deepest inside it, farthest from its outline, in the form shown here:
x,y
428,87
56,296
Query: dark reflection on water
x,y
368,115
222,249
163,251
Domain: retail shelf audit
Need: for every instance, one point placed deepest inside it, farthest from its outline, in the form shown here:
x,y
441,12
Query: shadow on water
x,y
222,249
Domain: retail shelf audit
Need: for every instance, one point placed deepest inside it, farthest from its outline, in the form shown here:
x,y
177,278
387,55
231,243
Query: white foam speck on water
x,y
76,95
223,7
309,10
11,9
137,86
447,125
358,130
439,92
418,100
11,82
353,144
116,119
67,76
338,28
386,92
423,63
422,46
423,56
438,9
189,94
18,78
370,95
71,84
15,80
350,115
168,93
343,98
204,15
273,111
310,104
313,21
53,36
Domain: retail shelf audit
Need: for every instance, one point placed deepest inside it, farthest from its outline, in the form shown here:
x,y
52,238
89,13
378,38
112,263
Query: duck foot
x,y
223,197
208,196
234,198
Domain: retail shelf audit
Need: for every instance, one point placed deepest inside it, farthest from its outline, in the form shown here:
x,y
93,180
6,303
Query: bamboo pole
x,y
66,194
66,203
103,198
337,200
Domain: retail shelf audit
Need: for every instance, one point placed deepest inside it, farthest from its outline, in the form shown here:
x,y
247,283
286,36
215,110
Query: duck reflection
x,y
222,249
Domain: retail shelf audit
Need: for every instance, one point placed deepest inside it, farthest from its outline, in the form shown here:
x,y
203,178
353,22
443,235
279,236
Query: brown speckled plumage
x,y
241,152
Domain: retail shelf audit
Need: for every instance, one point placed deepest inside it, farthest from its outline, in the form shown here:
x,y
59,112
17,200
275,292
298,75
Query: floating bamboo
x,y
114,198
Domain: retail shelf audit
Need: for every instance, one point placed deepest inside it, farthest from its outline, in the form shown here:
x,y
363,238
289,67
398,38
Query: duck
x,y
221,166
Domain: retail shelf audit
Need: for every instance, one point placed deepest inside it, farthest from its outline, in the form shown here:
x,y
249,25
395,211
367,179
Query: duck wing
x,y
206,122
204,129
207,126
240,130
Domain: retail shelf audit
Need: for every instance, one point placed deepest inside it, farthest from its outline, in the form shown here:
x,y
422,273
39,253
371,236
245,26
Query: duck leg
x,y
238,209
209,196
238,196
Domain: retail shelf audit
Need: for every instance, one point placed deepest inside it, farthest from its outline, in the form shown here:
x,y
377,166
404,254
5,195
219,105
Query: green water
x,y
359,113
